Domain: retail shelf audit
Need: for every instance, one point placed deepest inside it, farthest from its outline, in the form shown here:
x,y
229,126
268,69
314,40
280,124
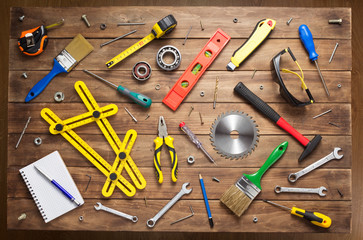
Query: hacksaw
x,y
99,115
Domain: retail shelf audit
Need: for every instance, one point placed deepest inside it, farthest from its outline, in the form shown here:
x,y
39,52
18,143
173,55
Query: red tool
x,y
196,69
257,102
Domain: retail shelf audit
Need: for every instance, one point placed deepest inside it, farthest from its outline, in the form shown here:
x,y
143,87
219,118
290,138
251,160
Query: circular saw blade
x,y
234,146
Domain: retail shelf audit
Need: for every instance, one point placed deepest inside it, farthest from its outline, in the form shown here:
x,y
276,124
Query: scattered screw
x,y
145,201
215,93
22,217
80,218
103,26
24,75
38,141
333,53
115,39
201,26
129,24
335,21
235,20
147,116
202,93
186,37
321,114
22,133
333,124
191,109
339,85
84,18
340,193
88,181
215,179
255,219
261,87
253,74
181,219
132,116
201,119
289,21
21,18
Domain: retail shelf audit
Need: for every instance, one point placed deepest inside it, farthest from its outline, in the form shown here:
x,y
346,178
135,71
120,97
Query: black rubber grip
x,y
242,90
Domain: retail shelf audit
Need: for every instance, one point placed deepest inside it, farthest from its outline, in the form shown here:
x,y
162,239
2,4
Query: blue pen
x,y
206,200
58,186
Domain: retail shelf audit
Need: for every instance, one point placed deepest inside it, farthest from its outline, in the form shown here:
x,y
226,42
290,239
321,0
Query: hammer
x,y
258,103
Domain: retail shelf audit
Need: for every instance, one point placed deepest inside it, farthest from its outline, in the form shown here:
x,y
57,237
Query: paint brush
x,y
240,195
66,60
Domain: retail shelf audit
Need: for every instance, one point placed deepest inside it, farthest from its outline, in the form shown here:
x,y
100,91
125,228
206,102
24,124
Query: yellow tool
x,y
260,33
99,115
164,26
315,218
163,136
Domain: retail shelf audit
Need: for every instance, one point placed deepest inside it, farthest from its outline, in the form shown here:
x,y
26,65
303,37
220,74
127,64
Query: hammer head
x,y
310,147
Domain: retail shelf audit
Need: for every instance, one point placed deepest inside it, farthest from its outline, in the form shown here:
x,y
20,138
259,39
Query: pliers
x,y
163,137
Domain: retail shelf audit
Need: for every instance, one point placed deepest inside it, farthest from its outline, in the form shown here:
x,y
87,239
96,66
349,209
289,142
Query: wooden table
x,y
335,175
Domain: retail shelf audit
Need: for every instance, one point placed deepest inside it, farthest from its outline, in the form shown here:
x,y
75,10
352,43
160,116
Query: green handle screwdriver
x,y
138,98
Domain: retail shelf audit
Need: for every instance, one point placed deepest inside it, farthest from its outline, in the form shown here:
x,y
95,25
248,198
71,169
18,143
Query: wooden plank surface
x,y
338,72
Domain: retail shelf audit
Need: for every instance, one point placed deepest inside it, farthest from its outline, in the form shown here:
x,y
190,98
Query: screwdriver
x,y
315,218
138,98
307,39
195,140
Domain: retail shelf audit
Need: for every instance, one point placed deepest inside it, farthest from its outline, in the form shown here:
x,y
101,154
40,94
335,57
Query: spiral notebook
x,y
50,201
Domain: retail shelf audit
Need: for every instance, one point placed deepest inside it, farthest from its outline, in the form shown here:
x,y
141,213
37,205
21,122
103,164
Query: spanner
x,y
319,190
152,221
333,155
120,214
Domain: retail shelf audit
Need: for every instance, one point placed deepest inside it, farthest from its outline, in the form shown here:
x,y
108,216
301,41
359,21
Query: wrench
x,y
120,214
319,190
152,221
333,155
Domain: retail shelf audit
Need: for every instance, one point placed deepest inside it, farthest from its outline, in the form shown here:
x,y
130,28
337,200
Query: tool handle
x,y
138,98
40,86
158,146
190,134
274,156
307,39
174,158
315,218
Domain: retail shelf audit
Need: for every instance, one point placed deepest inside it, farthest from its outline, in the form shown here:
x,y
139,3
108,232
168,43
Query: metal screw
x,y
340,193
22,217
235,20
289,21
333,124
84,18
321,114
21,18
147,116
202,93
191,109
145,201
201,26
132,116
115,39
201,119
129,24
336,21
186,37
215,179
22,133
261,87
24,75
333,53
103,26
339,85
255,219
253,74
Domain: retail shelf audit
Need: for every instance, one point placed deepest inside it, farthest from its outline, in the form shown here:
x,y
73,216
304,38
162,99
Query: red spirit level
x,y
196,69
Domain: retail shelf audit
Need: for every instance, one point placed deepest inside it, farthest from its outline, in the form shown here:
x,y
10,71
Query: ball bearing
x,y
168,49
141,71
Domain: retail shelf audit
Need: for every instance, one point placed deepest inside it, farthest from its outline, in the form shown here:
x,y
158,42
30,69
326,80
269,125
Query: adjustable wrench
x,y
152,221
333,155
113,211
319,190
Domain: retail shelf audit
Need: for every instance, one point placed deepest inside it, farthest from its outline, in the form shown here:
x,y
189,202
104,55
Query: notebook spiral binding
x,y
37,203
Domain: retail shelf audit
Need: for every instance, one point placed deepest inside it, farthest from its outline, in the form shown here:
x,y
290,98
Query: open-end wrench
x,y
152,221
120,214
333,155
319,190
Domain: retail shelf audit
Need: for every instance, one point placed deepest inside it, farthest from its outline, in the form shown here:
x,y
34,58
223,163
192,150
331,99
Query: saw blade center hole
x,y
234,134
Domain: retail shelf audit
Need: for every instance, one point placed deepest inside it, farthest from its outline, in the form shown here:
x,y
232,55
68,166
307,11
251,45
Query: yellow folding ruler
x,y
99,115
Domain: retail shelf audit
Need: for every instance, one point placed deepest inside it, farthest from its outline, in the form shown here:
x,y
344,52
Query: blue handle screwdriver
x,y
307,39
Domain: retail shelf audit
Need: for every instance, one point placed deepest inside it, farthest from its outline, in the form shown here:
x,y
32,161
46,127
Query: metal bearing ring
x,y
59,96
157,86
103,26
141,71
160,58
191,159
38,141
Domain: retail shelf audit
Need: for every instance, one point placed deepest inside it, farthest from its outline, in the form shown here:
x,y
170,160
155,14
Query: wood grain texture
x,y
271,98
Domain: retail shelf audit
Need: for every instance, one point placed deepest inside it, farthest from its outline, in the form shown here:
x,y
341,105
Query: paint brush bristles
x,y
236,200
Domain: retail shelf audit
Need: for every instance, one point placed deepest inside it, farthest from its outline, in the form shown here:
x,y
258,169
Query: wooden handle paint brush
x,y
66,60
240,195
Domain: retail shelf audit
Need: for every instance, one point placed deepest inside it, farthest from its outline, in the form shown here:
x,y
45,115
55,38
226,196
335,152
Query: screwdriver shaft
x,y
99,78
321,77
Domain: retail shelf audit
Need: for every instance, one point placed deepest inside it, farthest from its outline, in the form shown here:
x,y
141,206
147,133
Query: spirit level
x,y
196,69
99,115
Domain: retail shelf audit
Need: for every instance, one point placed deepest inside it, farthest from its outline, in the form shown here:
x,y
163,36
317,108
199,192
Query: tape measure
x,y
164,26
99,115
34,41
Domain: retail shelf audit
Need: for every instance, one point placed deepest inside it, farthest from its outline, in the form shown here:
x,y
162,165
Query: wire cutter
x,y
163,137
